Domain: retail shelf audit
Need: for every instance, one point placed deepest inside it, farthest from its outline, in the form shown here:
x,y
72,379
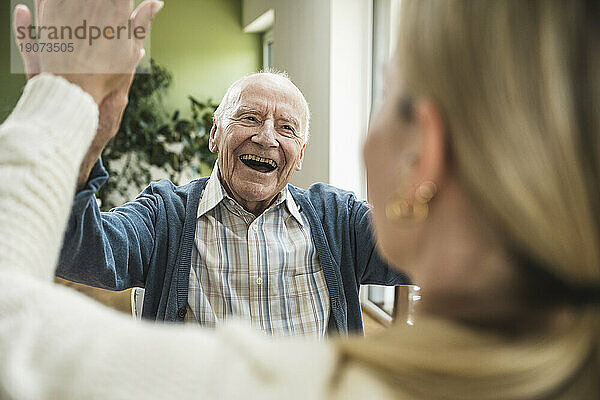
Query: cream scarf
x,y
438,359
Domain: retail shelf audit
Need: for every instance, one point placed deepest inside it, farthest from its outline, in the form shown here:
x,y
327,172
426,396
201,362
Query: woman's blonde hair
x,y
518,83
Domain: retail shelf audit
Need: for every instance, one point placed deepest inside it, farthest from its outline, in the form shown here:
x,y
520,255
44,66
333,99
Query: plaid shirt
x,y
264,269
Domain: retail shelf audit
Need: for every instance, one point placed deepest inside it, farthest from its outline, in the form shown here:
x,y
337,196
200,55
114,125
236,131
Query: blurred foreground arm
x,y
41,145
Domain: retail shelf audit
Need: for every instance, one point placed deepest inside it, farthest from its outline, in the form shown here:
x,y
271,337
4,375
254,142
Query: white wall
x,y
350,92
301,48
324,45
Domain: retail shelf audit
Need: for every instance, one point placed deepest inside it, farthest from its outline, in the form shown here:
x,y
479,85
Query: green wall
x,y
11,85
200,41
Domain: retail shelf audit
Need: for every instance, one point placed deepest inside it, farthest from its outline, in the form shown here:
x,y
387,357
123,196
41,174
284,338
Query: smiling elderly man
x,y
242,242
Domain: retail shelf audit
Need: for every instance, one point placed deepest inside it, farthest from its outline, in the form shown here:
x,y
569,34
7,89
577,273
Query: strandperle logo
x,y
44,38
82,32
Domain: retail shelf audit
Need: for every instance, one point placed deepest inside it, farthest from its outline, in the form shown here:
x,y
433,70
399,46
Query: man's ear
x,y
212,141
300,158
432,154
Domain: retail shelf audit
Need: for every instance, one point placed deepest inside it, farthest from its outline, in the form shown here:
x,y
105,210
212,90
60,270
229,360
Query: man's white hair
x,y
234,91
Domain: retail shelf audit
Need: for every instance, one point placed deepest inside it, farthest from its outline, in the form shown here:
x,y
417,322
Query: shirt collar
x,y
292,206
214,193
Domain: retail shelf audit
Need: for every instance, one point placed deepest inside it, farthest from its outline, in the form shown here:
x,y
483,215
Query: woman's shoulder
x,y
306,368
292,367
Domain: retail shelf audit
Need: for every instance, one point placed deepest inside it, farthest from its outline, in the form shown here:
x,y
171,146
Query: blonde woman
x,y
484,174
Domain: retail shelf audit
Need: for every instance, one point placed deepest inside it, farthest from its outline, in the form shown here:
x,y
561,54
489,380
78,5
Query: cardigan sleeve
x,y
371,268
111,250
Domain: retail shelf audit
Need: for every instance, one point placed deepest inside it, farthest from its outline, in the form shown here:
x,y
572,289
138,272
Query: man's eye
x,y
288,128
251,118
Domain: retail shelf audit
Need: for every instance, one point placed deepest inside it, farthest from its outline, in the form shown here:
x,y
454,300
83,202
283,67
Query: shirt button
x,y
259,281
181,312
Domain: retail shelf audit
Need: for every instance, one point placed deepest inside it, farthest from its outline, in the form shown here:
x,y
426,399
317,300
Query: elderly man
x,y
242,242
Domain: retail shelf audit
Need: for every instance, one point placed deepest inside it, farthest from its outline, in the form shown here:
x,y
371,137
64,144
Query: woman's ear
x,y
431,128
212,140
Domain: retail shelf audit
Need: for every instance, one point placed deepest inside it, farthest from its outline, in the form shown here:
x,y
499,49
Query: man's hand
x,y
112,104
99,68
111,113
31,60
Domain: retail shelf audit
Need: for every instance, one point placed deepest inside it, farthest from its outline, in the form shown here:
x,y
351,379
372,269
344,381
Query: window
x,y
263,24
382,302
267,40
378,301
385,32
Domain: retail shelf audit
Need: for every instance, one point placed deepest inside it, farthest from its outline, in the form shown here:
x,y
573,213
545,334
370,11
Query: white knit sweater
x,y
55,343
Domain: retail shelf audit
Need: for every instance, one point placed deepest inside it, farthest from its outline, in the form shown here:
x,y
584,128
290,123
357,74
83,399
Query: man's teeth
x,y
259,159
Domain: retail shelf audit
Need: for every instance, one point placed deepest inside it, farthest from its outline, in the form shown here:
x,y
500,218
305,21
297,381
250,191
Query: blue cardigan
x,y
148,243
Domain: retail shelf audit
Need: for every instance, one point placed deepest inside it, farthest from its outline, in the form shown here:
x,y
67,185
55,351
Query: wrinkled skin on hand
x,y
100,68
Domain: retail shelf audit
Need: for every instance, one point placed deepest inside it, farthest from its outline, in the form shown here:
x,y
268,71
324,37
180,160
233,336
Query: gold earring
x,y
399,208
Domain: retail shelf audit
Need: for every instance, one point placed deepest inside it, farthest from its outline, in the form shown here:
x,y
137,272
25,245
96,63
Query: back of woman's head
x,y
518,83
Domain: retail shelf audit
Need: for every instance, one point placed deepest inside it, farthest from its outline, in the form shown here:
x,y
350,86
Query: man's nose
x,y
266,136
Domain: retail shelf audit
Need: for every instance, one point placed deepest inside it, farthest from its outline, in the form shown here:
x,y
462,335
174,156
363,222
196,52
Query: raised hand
x,y
22,19
101,61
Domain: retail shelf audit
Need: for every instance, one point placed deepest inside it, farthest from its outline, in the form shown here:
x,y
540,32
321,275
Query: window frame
x,y
384,36
268,39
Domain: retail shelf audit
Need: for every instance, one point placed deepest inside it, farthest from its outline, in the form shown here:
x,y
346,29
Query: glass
x,y
405,305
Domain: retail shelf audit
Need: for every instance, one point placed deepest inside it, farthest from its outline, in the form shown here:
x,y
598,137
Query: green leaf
x,y
146,119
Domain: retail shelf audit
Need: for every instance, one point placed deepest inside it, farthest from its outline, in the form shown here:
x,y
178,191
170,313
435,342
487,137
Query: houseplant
x,y
153,142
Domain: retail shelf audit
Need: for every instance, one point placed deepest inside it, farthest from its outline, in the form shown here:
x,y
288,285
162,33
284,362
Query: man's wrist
x,y
85,169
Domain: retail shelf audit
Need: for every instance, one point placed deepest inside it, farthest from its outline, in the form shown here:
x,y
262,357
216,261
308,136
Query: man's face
x,y
260,139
